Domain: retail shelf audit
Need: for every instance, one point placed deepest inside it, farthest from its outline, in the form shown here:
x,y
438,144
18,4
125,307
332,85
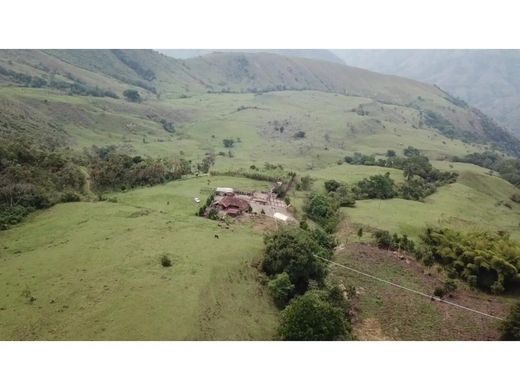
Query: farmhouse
x,y
232,205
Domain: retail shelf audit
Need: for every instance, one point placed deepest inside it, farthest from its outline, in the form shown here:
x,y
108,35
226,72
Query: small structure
x,y
223,191
232,205
260,197
280,216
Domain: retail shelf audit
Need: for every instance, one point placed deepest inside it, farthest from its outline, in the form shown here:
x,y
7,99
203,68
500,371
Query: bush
x,y
376,187
332,185
228,143
281,289
292,250
511,326
166,261
213,214
385,240
450,285
323,210
439,292
312,318
70,197
489,261
132,95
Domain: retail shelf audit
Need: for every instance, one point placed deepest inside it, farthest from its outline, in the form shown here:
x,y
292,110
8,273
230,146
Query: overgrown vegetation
x,y
489,261
323,210
385,240
312,317
511,326
313,309
421,179
32,178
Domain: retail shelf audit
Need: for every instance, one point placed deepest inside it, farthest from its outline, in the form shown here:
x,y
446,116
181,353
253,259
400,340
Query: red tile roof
x,y
233,202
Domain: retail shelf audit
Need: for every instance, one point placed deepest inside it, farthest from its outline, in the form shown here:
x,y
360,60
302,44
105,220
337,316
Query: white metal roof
x,y
224,189
281,217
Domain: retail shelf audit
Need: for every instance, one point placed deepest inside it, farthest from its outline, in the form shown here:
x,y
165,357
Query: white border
x,y
259,24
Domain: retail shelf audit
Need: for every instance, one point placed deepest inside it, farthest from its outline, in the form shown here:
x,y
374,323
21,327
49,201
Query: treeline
x,y
33,178
508,168
489,261
421,178
113,170
73,88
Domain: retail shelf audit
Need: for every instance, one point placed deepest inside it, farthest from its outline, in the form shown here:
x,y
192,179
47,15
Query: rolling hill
x,y
107,73
90,269
487,79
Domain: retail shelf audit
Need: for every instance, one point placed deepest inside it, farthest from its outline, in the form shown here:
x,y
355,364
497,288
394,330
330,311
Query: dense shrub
x,y
282,289
511,326
33,178
166,261
421,181
228,143
132,95
292,250
323,210
490,261
110,169
385,240
376,187
312,318
332,185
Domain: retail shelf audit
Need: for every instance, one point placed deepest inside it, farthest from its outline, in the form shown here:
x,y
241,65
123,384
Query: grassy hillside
x,y
95,272
476,201
158,78
487,79
91,270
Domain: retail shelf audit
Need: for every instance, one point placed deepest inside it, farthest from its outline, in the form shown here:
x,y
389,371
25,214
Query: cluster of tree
x,y
421,179
32,178
203,208
508,168
489,261
313,310
376,187
322,209
341,194
110,169
132,95
75,88
385,240
207,162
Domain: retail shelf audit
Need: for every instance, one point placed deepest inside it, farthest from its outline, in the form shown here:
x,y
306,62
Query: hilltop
x,y
163,81
487,79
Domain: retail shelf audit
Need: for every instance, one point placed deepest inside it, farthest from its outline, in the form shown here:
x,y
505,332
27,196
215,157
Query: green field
x,y
94,270
476,201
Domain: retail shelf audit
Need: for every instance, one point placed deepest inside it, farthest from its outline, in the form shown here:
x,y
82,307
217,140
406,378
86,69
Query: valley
x,y
84,263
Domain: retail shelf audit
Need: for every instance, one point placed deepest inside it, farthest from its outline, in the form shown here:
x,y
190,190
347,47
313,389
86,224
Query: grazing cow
x,y
216,236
